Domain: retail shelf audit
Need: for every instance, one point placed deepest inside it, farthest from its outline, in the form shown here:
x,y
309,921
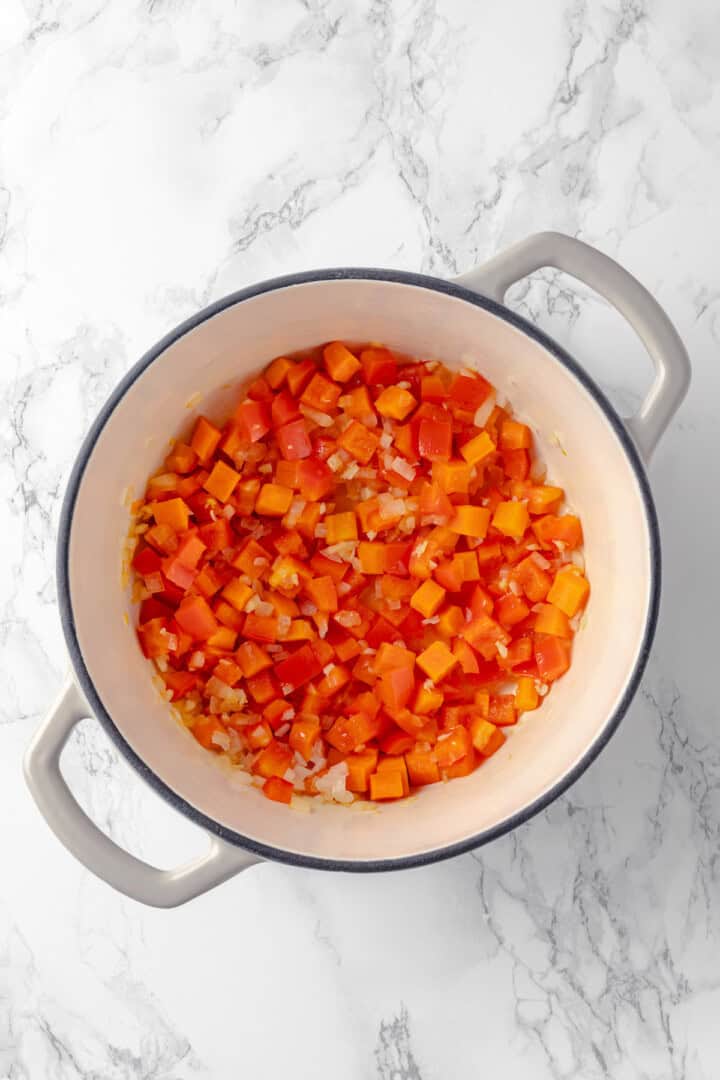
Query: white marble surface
x,y
155,155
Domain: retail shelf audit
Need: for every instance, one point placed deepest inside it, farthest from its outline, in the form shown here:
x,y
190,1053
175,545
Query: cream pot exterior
x,y
197,368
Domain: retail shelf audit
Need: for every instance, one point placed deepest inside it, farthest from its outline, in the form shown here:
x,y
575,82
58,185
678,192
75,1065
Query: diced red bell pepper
x,y
298,669
435,439
315,479
254,418
284,409
196,617
146,561
468,391
294,441
379,367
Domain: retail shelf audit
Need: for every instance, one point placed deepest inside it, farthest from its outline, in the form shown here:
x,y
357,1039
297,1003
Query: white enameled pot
x,y
598,459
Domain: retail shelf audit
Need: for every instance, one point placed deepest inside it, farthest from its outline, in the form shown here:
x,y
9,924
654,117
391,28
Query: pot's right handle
x,y
100,854
646,317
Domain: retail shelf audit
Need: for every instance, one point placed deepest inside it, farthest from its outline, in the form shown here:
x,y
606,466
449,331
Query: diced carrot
x,y
298,375
551,620
358,441
386,785
205,729
341,527
320,393
569,590
477,449
514,436
395,403
303,736
360,766
181,459
436,661
237,593
277,371
422,767
511,519
427,598
205,438
341,364
252,658
471,521
532,579
274,760
526,696
172,512
274,500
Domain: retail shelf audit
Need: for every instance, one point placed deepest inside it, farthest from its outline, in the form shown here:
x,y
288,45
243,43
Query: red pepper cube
x,y
284,409
253,417
379,367
468,392
262,688
196,617
396,688
315,479
435,439
297,669
263,628
294,441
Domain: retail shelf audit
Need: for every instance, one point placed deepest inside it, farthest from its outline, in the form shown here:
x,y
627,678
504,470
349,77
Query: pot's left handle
x,y
95,850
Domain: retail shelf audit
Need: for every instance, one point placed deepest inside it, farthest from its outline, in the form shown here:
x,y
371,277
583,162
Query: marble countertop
x,y
160,154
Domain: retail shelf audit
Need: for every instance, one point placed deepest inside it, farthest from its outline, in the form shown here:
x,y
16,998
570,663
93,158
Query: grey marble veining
x,y
156,155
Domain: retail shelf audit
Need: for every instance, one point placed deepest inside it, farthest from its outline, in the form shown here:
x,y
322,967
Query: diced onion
x,y
483,413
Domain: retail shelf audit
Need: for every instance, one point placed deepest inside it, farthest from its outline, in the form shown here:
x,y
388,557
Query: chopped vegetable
x,y
356,586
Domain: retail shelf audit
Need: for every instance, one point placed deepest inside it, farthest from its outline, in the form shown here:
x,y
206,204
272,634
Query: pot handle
x,y
624,292
100,854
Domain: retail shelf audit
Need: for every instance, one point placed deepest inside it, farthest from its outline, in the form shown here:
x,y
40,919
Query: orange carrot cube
x,y
341,364
478,449
437,661
395,403
341,527
569,590
222,481
274,500
172,512
427,598
471,521
511,519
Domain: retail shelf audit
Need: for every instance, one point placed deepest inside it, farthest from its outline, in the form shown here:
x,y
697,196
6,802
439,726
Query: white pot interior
x,y
200,373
